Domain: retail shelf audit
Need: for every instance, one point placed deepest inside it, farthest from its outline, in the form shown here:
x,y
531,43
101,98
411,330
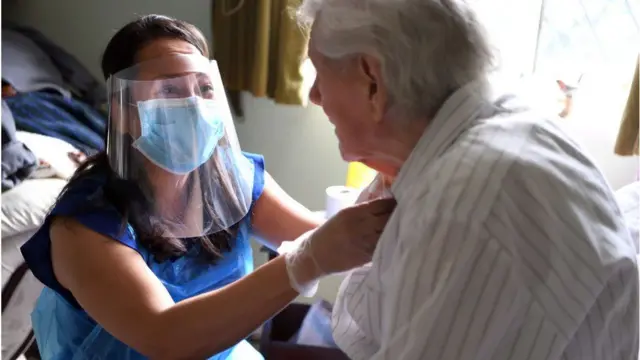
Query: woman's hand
x,y
344,242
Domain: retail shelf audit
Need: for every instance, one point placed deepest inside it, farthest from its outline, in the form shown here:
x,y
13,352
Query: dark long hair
x,y
125,195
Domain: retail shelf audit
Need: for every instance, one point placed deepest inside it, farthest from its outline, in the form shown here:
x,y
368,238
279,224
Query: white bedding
x,y
25,206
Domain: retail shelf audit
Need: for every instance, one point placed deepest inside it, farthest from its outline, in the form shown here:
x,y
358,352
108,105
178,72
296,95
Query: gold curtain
x,y
627,143
260,49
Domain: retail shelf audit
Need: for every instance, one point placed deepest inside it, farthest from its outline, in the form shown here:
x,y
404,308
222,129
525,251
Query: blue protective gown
x,y
63,330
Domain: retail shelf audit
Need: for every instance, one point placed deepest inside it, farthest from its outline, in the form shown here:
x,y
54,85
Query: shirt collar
x,y
455,116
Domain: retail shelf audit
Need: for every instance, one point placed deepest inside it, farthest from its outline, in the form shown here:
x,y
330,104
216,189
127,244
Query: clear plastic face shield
x,y
171,132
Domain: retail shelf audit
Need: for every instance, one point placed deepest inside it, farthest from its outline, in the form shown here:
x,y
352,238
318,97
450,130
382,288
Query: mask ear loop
x,y
232,11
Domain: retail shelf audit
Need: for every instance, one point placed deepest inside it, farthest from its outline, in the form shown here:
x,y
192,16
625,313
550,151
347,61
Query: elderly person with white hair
x,y
507,242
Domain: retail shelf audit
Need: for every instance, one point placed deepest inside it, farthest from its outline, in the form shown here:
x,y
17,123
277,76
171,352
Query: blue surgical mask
x,y
178,135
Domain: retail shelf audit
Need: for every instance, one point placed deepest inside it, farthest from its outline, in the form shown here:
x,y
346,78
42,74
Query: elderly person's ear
x,y
370,71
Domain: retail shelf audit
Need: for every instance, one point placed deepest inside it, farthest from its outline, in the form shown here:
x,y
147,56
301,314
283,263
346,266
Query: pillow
x,y
52,153
25,206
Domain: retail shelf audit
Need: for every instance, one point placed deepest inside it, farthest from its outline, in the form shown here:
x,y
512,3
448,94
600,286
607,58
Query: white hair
x,y
427,48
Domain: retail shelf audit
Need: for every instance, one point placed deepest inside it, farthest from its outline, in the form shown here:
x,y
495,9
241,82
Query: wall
x,y
298,143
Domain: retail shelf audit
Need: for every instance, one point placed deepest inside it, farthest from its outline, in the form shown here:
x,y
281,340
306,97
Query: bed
x,y
52,111
23,209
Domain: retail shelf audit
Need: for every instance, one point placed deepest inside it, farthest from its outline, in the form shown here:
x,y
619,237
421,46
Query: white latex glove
x,y
377,189
344,242
309,289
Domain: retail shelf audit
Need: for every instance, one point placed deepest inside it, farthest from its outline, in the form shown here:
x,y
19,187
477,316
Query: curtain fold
x,y
627,142
260,49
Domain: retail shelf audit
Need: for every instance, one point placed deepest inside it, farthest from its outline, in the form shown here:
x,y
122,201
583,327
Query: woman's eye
x,y
206,91
169,90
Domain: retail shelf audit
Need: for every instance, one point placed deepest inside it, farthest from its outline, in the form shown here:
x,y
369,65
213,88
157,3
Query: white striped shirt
x,y
506,243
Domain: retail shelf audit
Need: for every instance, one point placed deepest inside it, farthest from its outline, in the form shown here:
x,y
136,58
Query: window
x,y
590,48
581,36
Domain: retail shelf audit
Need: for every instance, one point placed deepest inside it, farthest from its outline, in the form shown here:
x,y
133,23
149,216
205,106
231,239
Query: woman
x,y
146,253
